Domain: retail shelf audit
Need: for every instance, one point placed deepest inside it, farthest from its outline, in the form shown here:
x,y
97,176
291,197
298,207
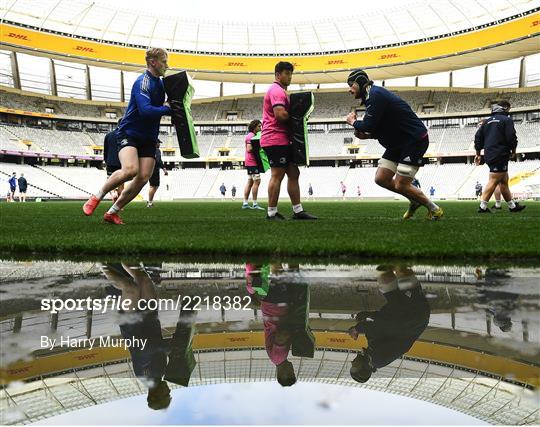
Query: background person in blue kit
x,y
497,137
154,179
112,162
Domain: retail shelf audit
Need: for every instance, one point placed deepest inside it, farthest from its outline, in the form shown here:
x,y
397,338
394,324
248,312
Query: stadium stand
x,y
43,104
451,181
327,104
322,144
220,142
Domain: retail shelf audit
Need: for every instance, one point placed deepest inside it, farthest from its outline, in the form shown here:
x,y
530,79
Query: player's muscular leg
x,y
247,189
130,167
494,180
385,178
293,188
404,187
274,185
504,188
146,166
255,189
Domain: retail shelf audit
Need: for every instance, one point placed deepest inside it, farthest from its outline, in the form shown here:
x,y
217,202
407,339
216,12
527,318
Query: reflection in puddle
x,y
464,338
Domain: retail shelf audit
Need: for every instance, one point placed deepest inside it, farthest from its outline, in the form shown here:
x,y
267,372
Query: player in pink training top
x,y
275,141
254,177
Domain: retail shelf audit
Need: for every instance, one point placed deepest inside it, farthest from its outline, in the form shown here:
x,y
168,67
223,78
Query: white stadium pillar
x,y
15,70
522,73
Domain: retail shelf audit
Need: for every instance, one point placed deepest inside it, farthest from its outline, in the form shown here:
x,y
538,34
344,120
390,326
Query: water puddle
x,y
281,342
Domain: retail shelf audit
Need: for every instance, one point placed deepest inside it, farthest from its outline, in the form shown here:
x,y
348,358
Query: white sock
x,y
255,203
511,204
245,202
297,208
432,206
497,203
113,209
100,195
272,211
483,205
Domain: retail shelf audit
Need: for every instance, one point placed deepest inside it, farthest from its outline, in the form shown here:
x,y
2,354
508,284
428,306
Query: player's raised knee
x,y
130,171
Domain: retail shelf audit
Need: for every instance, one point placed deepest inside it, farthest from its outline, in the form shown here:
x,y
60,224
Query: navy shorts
x,y
145,148
154,179
112,169
252,170
279,156
408,153
498,165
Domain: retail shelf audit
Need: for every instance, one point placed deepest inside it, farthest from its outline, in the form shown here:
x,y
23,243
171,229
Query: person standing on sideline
x,y
222,190
137,135
154,179
358,191
391,121
250,163
497,137
12,186
23,186
310,192
478,190
431,191
233,192
275,141
343,189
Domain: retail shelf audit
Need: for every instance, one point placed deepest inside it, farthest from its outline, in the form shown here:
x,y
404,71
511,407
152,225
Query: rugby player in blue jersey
x,y
398,129
137,135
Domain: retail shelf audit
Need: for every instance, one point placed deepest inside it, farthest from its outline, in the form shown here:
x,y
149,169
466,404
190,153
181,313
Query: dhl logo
x,y
389,56
236,64
18,36
336,61
238,339
19,371
84,49
535,23
86,356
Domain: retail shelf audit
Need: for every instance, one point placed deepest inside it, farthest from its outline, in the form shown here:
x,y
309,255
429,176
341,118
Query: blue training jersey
x,y
145,109
390,119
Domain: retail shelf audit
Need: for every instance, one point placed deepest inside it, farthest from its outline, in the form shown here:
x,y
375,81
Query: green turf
x,y
351,229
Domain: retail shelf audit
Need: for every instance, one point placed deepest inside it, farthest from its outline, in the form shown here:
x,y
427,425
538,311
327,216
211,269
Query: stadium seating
x,y
40,104
321,144
55,141
327,104
451,181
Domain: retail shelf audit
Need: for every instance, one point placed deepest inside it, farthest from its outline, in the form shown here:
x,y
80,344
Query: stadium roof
x,y
425,37
368,27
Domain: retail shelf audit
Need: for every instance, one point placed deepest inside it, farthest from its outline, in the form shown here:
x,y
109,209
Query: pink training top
x,y
250,158
273,132
272,315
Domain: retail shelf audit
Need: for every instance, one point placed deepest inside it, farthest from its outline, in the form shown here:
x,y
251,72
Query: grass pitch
x,y
345,229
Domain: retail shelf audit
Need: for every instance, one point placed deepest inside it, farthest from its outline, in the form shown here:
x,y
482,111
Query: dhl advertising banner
x,y
519,28
423,350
